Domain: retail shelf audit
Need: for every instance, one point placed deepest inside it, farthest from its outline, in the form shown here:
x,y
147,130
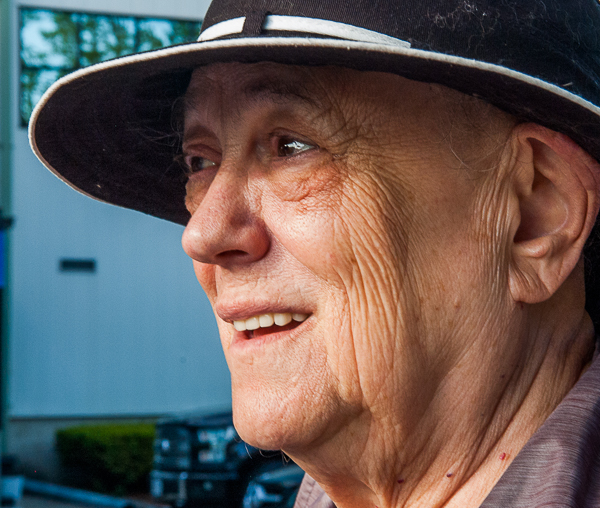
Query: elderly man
x,y
388,210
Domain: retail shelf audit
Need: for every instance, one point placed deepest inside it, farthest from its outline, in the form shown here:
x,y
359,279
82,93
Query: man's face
x,y
342,199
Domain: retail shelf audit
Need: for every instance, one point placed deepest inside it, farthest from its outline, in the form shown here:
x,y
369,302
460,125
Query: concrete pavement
x,y
52,495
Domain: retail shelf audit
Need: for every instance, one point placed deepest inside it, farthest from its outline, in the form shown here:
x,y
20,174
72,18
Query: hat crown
x,y
556,41
423,19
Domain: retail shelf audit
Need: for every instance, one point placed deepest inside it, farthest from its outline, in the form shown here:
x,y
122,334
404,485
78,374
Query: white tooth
x,y
266,320
240,326
252,323
282,319
299,317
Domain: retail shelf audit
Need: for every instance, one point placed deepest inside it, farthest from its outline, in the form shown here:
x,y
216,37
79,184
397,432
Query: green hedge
x,y
115,458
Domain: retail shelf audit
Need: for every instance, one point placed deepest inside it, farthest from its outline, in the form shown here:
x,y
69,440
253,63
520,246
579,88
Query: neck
x,y
477,419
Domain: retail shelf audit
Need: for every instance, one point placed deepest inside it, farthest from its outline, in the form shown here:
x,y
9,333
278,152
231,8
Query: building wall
x,y
183,9
135,338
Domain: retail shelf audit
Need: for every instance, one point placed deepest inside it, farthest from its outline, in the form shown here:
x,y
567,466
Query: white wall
x,y
184,9
135,338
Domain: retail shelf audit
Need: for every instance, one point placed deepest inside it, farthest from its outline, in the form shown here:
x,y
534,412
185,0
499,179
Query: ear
x,y
556,186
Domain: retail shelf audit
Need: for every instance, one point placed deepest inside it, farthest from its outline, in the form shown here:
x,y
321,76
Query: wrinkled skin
x,y
376,205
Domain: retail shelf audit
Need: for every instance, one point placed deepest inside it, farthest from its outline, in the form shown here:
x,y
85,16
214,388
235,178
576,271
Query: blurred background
x,y
102,320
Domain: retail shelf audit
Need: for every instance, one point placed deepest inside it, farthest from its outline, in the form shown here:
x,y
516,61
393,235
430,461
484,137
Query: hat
x,y
108,129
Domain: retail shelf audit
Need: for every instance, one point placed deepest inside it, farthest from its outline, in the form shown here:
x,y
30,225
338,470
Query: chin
x,y
266,422
293,419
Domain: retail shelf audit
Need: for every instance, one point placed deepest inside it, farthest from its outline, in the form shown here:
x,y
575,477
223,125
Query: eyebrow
x,y
279,92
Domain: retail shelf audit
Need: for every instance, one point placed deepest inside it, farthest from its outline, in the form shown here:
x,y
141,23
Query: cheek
x,y
196,188
343,239
304,216
308,182
205,273
347,231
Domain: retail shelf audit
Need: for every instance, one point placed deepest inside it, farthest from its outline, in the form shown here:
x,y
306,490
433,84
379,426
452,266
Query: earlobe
x,y
556,186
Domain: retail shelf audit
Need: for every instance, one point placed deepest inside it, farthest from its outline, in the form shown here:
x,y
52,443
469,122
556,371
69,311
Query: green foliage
x,y
114,458
54,43
63,38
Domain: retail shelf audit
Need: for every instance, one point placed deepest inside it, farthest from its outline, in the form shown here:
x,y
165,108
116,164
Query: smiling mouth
x,y
257,326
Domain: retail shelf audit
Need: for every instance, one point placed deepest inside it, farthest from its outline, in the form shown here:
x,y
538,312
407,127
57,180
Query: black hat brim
x,y
109,130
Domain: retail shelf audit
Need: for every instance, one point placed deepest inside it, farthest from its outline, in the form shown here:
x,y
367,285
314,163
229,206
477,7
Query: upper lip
x,y
241,310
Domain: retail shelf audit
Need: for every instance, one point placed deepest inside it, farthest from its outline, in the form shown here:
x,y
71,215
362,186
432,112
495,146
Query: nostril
x,y
231,255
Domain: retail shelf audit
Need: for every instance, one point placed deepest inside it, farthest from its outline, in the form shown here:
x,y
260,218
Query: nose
x,y
225,228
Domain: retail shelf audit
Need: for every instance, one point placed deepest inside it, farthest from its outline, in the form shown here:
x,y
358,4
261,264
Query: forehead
x,y
220,84
352,100
255,80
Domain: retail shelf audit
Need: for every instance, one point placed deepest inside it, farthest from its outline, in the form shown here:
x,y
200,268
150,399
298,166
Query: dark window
x,y
77,265
54,43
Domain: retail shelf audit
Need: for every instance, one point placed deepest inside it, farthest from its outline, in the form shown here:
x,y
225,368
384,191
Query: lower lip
x,y
241,340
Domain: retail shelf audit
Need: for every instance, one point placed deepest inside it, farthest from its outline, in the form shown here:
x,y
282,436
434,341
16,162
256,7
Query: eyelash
x,y
187,163
296,144
194,160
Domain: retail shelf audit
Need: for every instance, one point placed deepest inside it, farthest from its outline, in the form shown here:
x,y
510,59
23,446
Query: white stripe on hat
x,y
229,27
306,25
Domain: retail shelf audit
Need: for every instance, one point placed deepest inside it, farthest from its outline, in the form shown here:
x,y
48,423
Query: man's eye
x,y
194,163
287,147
